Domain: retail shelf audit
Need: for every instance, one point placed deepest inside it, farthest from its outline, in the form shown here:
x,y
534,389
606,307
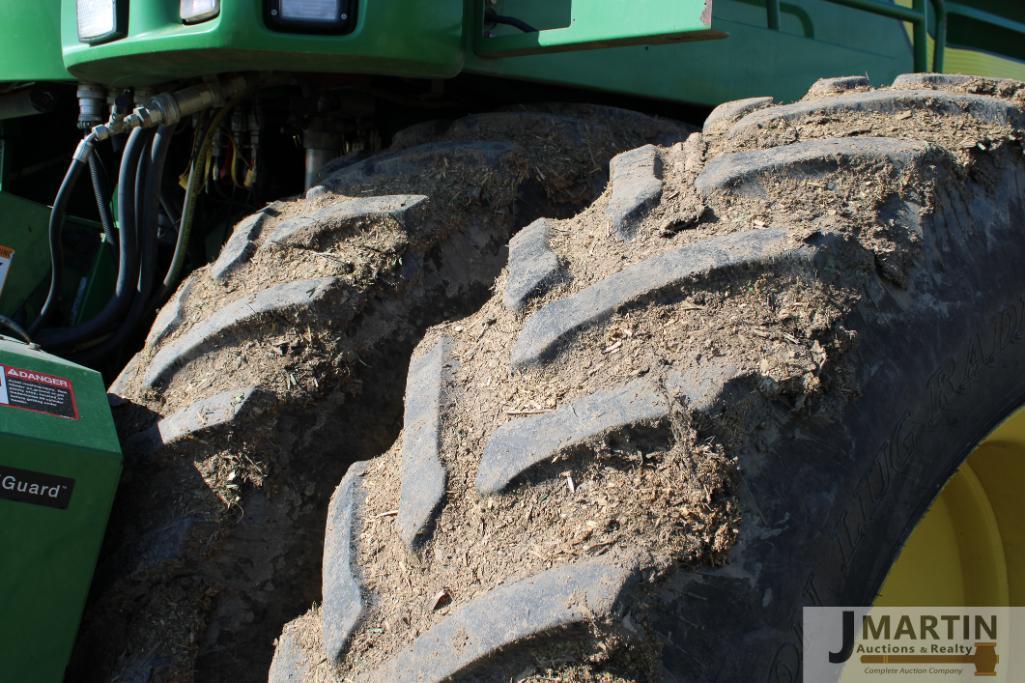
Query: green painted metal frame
x,y
31,45
603,23
584,36
817,39
23,226
917,15
414,38
957,9
438,38
49,553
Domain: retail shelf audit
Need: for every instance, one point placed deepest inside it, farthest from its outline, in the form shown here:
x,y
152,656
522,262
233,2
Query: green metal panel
x,y
50,539
815,39
23,227
30,49
415,38
596,23
98,284
775,46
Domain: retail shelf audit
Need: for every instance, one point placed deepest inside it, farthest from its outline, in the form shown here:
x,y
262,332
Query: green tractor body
x,y
653,49
689,53
59,467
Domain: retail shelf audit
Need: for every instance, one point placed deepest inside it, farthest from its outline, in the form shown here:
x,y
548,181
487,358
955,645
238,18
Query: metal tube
x,y
323,143
894,11
918,15
959,10
315,160
941,35
921,35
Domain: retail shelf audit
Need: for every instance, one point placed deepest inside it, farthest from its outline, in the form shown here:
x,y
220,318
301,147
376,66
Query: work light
x,y
310,16
193,11
101,20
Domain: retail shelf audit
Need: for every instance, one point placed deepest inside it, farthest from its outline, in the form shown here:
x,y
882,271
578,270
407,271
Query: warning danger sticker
x,y
6,256
38,392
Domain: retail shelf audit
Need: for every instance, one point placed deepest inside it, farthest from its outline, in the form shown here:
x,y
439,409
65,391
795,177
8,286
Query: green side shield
x,y
59,468
30,49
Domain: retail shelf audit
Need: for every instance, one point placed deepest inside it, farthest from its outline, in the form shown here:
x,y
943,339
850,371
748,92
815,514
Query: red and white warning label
x,y
38,392
6,256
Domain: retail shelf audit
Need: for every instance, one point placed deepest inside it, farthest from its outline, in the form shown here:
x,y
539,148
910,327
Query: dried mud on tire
x,y
277,366
724,391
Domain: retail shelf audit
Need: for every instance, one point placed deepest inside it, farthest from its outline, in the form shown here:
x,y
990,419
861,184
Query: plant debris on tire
x,y
725,391
277,366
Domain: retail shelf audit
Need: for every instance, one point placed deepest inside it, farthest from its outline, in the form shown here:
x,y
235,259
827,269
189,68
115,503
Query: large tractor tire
x,y
727,390
277,366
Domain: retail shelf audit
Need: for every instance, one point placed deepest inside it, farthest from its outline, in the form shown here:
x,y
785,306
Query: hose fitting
x,y
92,100
84,149
167,108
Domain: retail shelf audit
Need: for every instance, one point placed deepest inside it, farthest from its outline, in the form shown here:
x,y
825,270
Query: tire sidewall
x,y
945,371
934,368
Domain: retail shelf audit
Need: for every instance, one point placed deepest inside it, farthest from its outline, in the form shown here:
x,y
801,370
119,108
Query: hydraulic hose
x,y
192,189
15,327
142,170
491,16
102,192
56,225
128,264
152,201
150,175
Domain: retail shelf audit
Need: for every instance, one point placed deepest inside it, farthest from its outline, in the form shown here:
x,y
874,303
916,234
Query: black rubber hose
x,y
102,192
60,207
167,204
141,170
128,260
150,175
494,18
15,327
188,212
151,179
134,155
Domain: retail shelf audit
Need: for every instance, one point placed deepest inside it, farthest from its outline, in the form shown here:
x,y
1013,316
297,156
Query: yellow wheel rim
x,y
969,548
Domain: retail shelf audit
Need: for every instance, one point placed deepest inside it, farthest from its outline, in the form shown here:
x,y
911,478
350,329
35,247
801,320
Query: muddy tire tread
x,y
548,329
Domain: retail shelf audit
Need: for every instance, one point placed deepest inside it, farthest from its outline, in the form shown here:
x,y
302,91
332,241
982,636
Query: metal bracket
x,y
601,24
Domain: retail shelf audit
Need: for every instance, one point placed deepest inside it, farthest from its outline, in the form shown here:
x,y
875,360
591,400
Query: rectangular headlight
x,y
101,20
310,10
310,16
193,11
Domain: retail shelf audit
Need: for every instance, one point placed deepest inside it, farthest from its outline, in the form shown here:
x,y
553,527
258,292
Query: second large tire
x,y
726,391
275,367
